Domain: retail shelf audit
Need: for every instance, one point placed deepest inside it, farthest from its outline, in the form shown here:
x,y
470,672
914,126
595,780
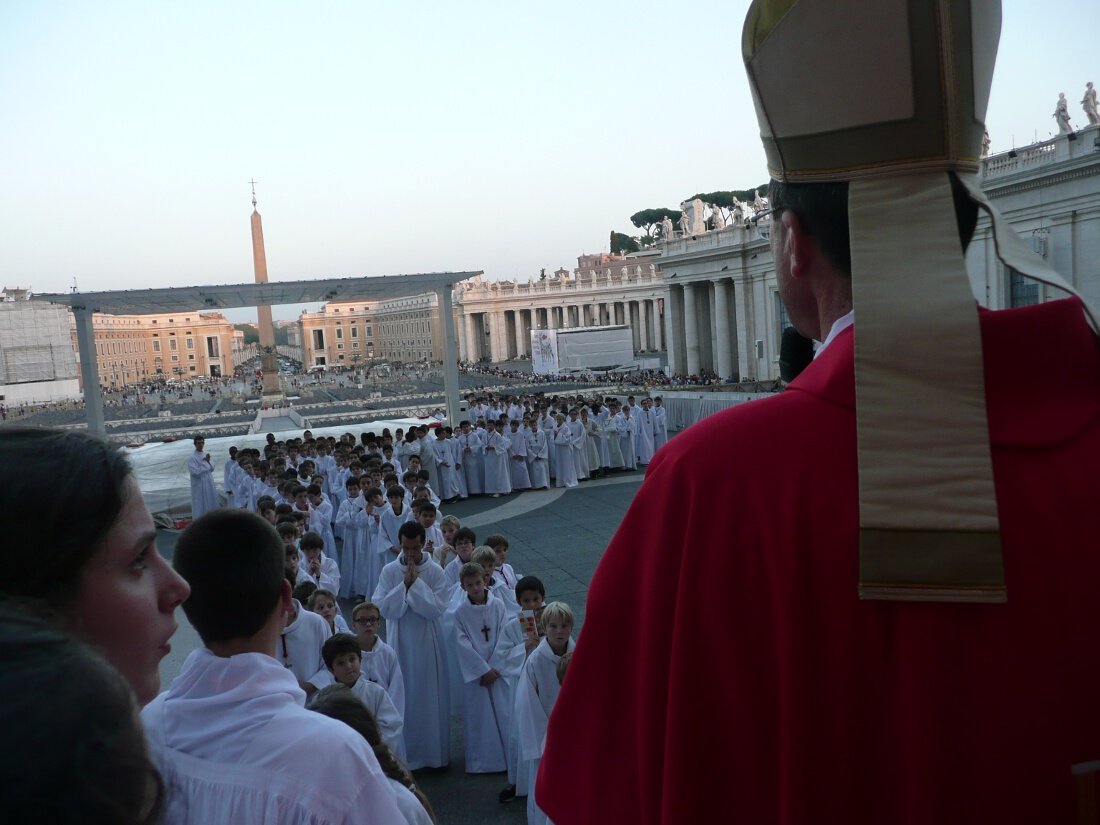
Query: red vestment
x,y
728,672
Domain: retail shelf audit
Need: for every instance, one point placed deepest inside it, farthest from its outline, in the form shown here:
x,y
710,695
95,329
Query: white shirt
x,y
839,325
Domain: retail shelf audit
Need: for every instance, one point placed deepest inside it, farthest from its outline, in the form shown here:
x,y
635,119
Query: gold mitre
x,y
890,95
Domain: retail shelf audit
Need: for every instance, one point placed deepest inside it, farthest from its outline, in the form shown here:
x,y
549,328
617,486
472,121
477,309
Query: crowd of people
x,y
360,520
441,625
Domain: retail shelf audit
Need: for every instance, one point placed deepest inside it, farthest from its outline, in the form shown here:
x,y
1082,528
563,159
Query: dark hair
x,y
75,486
465,533
395,491
337,645
338,702
372,492
351,481
822,210
426,506
287,528
311,540
411,530
68,717
530,583
304,592
234,562
497,541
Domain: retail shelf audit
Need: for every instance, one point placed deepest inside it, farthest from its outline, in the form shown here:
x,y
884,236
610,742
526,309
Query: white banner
x,y
544,351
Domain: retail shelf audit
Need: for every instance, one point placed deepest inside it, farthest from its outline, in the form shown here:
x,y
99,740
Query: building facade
x,y
339,335
494,319
410,330
1050,193
724,315
132,349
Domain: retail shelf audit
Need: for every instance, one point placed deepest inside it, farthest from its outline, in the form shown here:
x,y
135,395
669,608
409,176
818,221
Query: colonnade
x,y
704,327
505,334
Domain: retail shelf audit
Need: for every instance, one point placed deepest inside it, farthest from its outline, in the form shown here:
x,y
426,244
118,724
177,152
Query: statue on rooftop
x,y
718,218
1088,103
666,229
1061,114
986,142
685,223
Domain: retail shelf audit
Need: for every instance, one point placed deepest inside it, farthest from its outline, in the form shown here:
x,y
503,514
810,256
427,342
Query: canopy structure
x,y
230,296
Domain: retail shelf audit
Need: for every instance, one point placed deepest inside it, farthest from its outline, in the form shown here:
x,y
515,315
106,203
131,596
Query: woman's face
x,y
127,597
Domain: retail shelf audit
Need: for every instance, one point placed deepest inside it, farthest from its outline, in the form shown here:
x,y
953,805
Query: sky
x,y
390,138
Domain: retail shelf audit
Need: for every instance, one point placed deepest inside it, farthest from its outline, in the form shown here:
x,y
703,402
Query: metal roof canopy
x,y
270,293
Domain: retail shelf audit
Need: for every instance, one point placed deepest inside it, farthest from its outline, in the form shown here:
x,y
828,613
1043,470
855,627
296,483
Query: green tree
x,y
251,334
621,244
647,219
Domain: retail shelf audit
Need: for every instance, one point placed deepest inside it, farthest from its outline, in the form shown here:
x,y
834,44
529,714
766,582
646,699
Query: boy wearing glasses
x,y
379,659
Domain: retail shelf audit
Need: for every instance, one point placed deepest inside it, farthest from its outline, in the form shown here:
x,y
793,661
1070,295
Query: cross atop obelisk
x,y
268,361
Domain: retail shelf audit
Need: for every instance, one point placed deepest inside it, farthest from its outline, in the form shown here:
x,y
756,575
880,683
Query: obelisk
x,y
269,363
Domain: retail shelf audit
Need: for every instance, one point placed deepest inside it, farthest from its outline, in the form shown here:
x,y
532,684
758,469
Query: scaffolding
x,y
37,362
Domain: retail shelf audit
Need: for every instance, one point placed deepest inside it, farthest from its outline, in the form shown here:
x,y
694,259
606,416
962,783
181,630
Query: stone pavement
x,y
558,535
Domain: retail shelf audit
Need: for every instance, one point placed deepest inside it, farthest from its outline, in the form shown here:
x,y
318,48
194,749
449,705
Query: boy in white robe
x,y
566,464
391,518
322,571
229,735
521,635
412,596
517,457
498,478
379,659
537,691
538,469
469,444
479,621
499,545
443,456
204,497
464,542
433,536
645,433
345,662
299,647
352,520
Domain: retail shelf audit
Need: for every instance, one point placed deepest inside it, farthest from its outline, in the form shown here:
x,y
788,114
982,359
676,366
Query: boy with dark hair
x,y
322,571
230,754
344,661
412,596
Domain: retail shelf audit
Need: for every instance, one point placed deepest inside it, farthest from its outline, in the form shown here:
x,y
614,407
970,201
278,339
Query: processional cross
x,y
485,631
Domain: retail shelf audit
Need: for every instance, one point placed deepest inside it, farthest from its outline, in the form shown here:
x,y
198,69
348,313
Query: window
x,y
213,348
355,345
340,346
190,343
339,333
781,315
191,357
1022,291
355,332
172,344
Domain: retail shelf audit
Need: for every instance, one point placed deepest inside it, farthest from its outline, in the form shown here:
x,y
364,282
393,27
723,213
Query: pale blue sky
x,y
396,137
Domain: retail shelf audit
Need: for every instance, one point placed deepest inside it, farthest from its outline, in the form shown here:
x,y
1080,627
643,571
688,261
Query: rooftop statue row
x,y
1088,103
613,274
694,220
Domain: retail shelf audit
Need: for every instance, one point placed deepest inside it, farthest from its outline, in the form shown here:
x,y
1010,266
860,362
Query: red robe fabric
x,y
727,671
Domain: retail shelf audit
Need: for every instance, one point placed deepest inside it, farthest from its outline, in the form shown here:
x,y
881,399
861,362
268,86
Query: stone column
x,y
724,365
89,369
632,320
674,314
520,348
473,351
691,330
450,357
643,324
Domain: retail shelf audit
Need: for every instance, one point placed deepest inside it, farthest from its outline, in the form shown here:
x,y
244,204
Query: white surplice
x,y
412,624
234,745
478,629
204,497
538,469
517,460
536,694
498,478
